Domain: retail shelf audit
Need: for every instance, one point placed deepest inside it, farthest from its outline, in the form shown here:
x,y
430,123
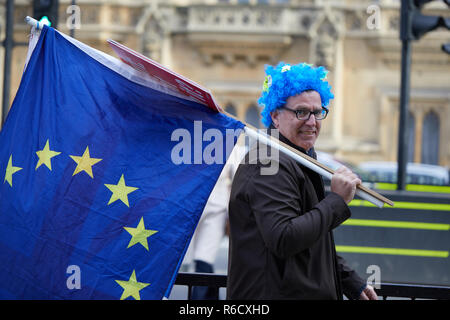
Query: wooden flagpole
x,y
362,191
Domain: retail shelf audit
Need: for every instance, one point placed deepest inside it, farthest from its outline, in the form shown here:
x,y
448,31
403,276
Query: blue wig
x,y
284,81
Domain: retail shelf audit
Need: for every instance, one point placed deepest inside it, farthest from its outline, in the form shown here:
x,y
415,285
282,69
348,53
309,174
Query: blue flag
x,y
98,197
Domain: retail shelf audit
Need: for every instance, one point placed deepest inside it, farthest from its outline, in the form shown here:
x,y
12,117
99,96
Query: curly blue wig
x,y
284,81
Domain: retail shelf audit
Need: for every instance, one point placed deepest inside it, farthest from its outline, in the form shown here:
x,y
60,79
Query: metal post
x,y
9,44
403,132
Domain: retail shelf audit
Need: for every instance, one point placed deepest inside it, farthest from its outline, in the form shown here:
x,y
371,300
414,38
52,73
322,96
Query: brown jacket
x,y
281,241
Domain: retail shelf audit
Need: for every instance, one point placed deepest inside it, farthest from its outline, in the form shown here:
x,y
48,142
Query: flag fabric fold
x,y
92,203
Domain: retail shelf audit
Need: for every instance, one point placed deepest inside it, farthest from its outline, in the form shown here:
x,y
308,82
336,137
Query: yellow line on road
x,y
413,187
397,224
405,205
393,251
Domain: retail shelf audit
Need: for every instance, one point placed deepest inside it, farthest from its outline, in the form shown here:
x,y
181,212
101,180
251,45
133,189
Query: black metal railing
x,y
386,290
198,279
413,291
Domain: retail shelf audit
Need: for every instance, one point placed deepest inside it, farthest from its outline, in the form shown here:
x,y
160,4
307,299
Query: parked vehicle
x,y
416,173
334,163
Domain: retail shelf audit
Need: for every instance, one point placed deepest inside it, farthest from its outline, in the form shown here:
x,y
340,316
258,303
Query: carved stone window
x,y
230,108
430,139
252,116
136,14
116,16
411,136
90,15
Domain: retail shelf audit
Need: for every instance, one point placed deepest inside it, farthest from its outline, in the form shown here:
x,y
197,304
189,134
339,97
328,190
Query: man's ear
x,y
275,114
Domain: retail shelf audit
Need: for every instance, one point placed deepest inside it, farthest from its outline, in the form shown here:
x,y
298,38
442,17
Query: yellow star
x,y
10,170
139,234
85,163
120,191
45,155
131,287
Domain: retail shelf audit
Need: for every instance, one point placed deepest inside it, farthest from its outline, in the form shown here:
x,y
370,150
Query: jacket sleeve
x,y
276,204
352,283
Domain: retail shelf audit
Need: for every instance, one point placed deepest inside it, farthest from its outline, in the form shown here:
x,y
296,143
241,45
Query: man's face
x,y
302,133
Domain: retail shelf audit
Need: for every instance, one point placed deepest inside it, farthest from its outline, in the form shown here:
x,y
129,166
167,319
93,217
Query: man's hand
x,y
368,294
344,182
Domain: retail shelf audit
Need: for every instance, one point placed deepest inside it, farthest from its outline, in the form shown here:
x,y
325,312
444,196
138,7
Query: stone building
x,y
224,45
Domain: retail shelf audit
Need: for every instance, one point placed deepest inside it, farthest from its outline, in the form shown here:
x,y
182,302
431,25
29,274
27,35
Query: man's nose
x,y
311,120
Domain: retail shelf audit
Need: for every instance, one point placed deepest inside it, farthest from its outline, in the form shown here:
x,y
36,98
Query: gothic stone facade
x,y
224,46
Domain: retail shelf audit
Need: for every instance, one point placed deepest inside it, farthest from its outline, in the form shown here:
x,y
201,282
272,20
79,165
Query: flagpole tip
x,y
33,22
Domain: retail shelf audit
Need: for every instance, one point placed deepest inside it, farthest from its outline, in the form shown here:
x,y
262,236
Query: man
x,y
281,241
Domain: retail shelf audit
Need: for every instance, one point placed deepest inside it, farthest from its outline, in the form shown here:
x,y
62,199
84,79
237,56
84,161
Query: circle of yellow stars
x,y
120,191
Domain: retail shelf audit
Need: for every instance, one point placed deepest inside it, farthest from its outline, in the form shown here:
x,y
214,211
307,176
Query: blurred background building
x,y
224,45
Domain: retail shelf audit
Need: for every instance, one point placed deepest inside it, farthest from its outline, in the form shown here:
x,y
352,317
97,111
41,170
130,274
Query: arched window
x,y
430,139
252,116
411,136
231,109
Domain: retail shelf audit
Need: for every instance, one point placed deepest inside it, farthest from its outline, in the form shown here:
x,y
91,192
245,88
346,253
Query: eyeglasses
x,y
305,114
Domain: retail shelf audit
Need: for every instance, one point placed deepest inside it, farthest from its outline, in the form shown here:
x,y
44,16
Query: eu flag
x,y
92,203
